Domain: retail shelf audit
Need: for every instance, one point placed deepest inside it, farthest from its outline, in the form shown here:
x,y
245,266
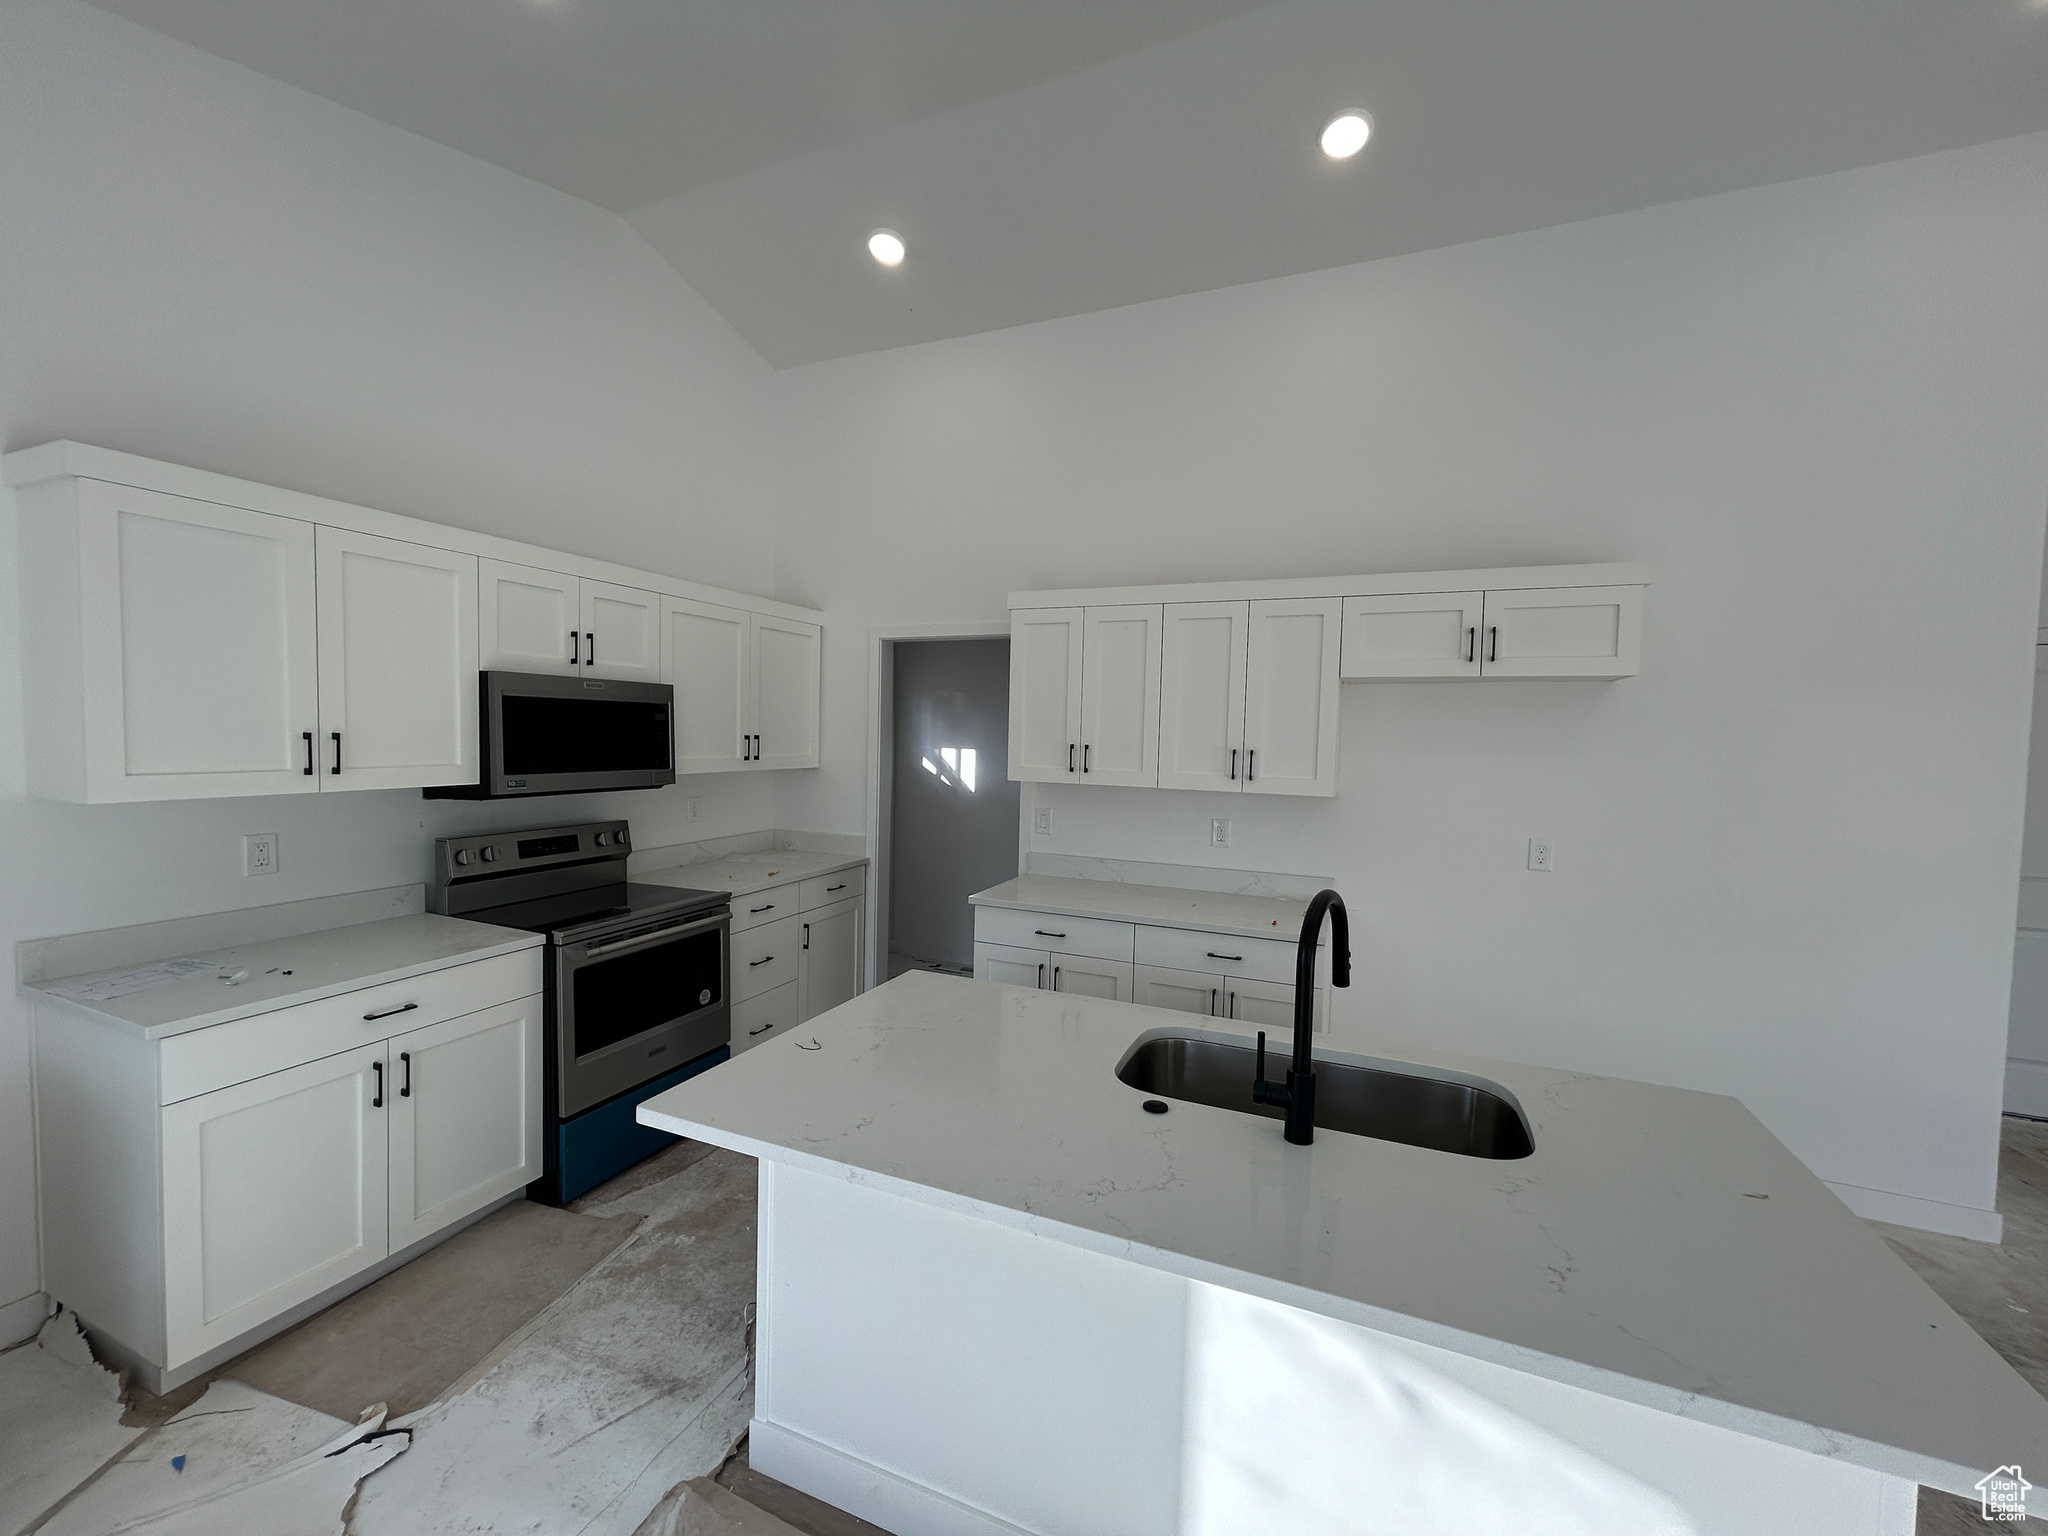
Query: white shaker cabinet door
x,y
198,648
1412,636
1201,695
828,973
528,619
621,632
1045,695
273,1190
465,1107
1270,1005
785,691
1107,979
1157,986
704,654
398,672
1290,697
1120,694
1008,966
1563,632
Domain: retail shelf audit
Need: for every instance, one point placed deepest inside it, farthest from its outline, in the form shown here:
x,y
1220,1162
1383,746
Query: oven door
x,y
631,1006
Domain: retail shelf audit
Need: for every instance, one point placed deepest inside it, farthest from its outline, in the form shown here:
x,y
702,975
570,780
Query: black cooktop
x,y
573,914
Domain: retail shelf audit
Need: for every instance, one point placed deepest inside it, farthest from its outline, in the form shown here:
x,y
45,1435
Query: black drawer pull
x,y
831,888
1047,933
762,1030
370,1018
753,911
1214,956
762,961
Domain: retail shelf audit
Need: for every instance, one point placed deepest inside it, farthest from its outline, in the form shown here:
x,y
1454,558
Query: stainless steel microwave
x,y
542,735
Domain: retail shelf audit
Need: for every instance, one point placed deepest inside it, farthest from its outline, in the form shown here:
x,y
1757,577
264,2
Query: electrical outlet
x,y
1541,855
1041,821
690,806
1219,832
259,853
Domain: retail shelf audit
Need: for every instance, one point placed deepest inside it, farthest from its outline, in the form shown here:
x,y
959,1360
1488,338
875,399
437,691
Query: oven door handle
x,y
675,931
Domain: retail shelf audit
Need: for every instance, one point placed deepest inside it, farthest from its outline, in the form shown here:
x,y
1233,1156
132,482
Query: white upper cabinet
x,y
784,665
1409,636
1120,694
398,672
1201,695
169,646
621,632
1563,632
528,619
704,653
1291,697
1045,694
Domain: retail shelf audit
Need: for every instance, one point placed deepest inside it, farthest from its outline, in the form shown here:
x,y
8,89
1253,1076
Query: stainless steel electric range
x,y
636,982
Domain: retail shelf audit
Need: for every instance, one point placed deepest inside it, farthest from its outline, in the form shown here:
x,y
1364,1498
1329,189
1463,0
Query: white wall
x,y
1787,853
201,265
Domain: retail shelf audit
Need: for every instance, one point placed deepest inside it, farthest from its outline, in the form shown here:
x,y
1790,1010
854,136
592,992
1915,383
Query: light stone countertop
x,y
1260,917
745,873
286,971
1658,1246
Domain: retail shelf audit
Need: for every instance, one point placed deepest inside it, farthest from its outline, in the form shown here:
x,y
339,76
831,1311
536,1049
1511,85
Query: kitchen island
x,y
997,1294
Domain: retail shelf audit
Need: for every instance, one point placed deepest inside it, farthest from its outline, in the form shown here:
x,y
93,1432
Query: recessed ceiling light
x,y
1346,134
886,246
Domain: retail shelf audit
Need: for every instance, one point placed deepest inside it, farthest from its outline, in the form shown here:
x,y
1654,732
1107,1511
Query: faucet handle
x,y
1264,1092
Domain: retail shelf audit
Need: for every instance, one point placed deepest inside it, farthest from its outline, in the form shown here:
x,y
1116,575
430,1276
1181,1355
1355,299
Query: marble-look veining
x,y
1264,917
1659,1245
1187,877
299,968
849,846
744,873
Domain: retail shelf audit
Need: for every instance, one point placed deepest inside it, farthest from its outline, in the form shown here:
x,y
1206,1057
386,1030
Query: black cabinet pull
x,y
1055,978
1070,757
337,751
757,746
762,1030
1084,756
1041,975
762,961
1212,1002
590,645
831,888
1493,642
377,1099
754,911
405,1088
1233,765
1214,956
1047,933
1472,642
1251,763
807,935
575,652
309,752
371,1018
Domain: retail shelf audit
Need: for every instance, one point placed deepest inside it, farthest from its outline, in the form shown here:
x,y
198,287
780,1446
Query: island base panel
x,y
944,1375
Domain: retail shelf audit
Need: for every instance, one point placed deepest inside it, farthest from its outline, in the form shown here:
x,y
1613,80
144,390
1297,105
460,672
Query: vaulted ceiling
x,y
1053,157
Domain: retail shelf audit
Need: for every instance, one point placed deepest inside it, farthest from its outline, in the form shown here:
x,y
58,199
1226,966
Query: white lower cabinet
x,y
273,1190
1008,966
1051,971
828,972
760,1018
1154,986
796,953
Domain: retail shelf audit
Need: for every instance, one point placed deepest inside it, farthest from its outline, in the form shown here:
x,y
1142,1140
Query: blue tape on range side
x,y
607,1140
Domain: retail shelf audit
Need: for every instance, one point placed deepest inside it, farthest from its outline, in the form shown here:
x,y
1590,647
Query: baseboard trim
x,y
878,1496
22,1317
1917,1211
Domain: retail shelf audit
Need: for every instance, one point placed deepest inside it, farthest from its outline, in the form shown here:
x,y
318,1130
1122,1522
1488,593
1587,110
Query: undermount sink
x,y
1432,1112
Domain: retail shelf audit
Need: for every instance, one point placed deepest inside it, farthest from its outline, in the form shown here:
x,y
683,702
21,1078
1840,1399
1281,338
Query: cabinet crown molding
x,y
1497,579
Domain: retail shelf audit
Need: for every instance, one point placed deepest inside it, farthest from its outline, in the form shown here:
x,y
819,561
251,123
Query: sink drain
x,y
1155,1106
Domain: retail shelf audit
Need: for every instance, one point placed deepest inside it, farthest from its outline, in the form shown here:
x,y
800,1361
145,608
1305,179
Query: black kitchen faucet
x,y
1298,1097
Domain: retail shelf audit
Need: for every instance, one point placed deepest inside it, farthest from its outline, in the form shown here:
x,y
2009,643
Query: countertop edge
x,y
1112,915
1832,1445
667,872
513,943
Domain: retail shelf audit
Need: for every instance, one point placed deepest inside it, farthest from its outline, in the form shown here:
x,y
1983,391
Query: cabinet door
x,y
465,1116
621,632
1110,979
527,619
198,647
830,970
1011,967
760,1019
785,691
1290,697
1564,632
1120,694
1201,695
273,1190
398,672
1268,1004
1155,986
1412,636
704,651
1045,695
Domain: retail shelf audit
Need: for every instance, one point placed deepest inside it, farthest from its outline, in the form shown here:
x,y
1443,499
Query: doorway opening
x,y
948,807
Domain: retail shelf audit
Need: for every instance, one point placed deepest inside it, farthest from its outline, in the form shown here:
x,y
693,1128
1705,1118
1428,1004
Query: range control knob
x,y
619,837
490,854
462,855
601,839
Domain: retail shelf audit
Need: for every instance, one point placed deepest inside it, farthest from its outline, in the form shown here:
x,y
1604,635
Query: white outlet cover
x,y
1219,832
691,805
1041,821
1542,855
259,853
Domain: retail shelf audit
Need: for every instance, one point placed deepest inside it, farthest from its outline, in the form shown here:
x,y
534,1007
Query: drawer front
x,y
769,906
1062,935
764,958
206,1059
1220,954
762,1018
823,890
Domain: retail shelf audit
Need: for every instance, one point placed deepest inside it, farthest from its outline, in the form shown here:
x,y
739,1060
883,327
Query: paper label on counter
x,y
102,989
